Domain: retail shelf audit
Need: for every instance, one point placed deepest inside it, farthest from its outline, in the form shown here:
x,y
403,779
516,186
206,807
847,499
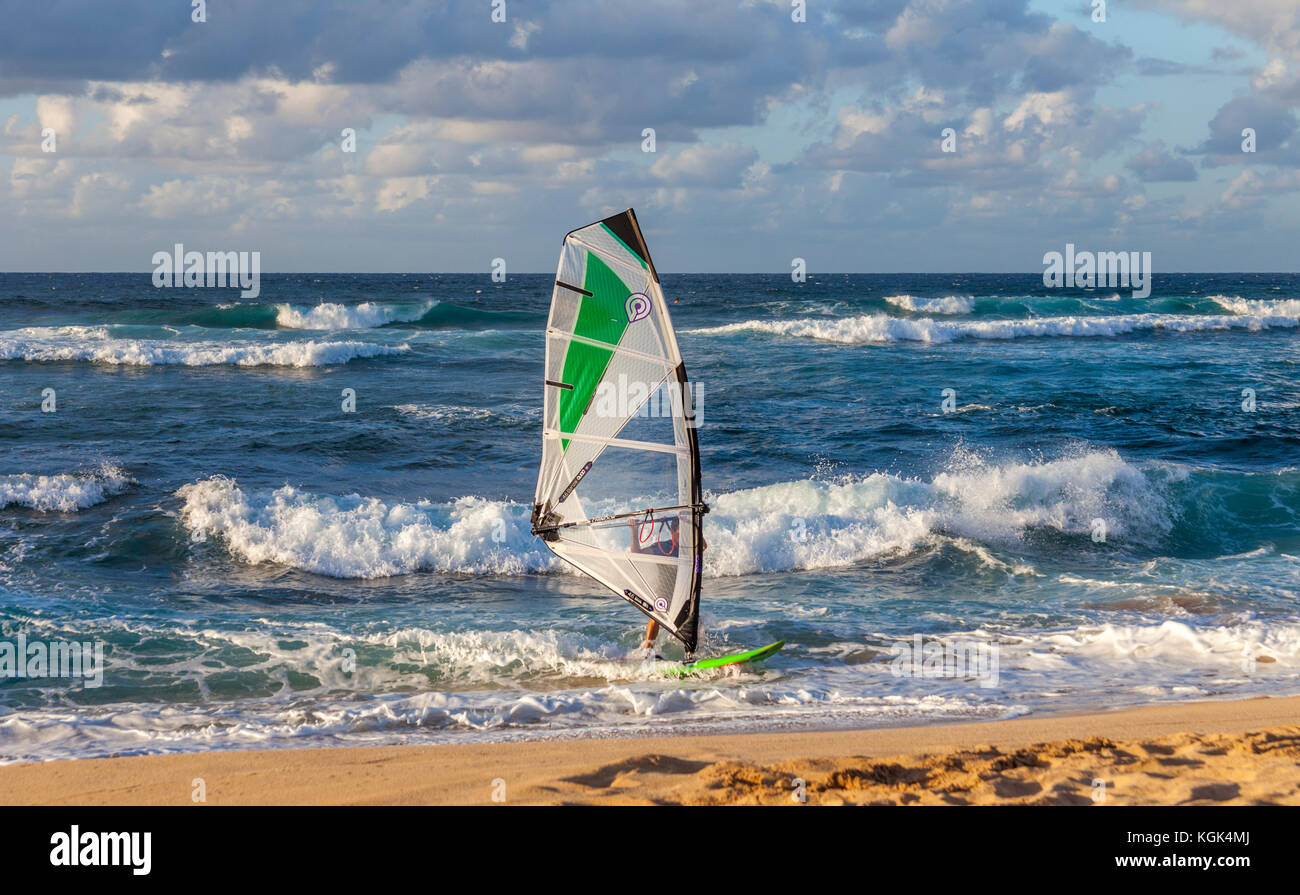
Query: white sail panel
x,y
618,493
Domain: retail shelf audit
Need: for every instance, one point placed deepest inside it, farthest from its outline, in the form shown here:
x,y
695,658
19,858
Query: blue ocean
x,y
303,519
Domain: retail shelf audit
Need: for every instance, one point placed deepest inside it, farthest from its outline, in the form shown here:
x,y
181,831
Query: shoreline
x,y
1243,751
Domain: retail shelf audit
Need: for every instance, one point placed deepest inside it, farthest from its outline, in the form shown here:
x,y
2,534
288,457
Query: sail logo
x,y
622,398
637,307
938,658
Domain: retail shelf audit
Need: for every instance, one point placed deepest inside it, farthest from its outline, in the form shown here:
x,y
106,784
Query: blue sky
x,y
775,139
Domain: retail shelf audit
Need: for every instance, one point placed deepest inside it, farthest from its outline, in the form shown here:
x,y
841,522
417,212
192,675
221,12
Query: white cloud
x,y
39,176
398,159
523,31
1273,24
1046,108
57,112
706,165
396,193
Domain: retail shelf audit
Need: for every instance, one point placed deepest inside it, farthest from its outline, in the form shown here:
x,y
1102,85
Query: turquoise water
x,y
1096,503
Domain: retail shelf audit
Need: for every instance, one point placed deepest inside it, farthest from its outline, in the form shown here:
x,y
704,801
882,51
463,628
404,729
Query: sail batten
x,y
614,348
620,442
618,492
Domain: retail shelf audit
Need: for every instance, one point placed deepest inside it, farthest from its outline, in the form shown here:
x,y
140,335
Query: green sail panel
x,y
601,317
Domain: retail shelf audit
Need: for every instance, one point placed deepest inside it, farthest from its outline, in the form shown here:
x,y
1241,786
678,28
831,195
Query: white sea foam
x,y
450,717
481,685
97,344
812,524
793,525
948,304
443,412
480,691
1119,648
400,658
62,493
332,315
360,537
1285,307
880,328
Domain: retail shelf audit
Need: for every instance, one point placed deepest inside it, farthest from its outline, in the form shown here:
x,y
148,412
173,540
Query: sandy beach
x,y
1233,752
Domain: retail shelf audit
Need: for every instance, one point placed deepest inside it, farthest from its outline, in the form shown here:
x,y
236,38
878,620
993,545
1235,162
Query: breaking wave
x,y
804,524
949,304
62,493
364,537
98,344
880,328
1285,307
367,315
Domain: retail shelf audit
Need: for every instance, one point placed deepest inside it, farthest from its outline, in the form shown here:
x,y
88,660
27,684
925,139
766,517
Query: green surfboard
x,y
754,655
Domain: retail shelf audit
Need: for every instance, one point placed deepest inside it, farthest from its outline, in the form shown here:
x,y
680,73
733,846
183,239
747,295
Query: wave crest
x,y
97,344
364,537
792,525
1260,307
948,304
880,328
334,316
64,493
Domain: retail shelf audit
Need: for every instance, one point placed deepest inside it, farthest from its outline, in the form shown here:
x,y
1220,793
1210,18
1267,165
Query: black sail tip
x,y
624,225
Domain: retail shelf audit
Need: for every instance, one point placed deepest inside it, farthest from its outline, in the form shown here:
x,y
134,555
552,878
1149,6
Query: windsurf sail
x,y
618,493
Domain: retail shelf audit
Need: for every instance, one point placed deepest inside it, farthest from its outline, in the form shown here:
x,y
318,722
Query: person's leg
x,y
651,634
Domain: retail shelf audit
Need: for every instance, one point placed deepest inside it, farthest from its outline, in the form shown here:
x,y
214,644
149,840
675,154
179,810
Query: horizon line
x,y
732,273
